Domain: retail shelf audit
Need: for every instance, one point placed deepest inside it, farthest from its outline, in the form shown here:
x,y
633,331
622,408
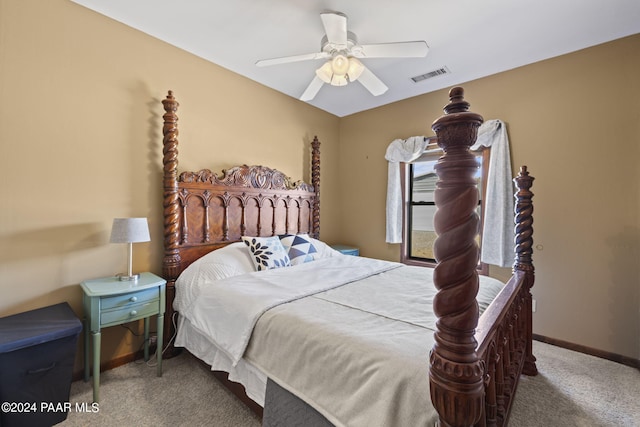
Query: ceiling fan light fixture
x,y
340,70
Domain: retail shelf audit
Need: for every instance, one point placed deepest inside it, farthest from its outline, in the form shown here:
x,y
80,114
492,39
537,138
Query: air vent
x,y
431,74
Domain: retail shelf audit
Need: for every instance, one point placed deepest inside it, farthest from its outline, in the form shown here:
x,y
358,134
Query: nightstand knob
x,y
133,299
133,313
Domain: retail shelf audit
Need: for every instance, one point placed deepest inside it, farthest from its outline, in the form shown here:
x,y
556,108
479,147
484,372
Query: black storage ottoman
x,y
37,353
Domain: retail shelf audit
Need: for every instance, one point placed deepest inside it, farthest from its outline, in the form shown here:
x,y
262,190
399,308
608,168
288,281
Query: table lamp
x,y
129,230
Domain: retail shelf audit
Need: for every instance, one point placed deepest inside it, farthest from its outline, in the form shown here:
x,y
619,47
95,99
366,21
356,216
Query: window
x,y
419,206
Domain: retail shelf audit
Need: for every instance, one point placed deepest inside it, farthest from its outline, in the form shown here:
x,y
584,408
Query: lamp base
x,y
126,278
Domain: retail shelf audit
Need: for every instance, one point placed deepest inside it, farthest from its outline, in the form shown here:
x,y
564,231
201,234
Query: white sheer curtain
x,y
400,150
498,232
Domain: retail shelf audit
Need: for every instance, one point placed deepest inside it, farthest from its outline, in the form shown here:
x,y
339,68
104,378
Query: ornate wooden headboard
x,y
204,211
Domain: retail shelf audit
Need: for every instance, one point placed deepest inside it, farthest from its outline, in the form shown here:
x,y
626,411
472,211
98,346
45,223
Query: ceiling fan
x,y
342,51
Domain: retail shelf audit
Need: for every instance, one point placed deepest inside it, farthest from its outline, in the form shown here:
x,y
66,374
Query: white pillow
x,y
324,250
267,252
299,248
228,261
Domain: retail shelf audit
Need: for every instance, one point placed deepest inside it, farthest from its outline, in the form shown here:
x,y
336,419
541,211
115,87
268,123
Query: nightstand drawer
x,y
125,300
129,313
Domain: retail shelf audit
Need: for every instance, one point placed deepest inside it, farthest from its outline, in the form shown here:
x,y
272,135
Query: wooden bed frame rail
x,y
475,362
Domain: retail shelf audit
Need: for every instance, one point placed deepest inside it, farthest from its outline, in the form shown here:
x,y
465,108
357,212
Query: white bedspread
x,y
226,310
357,353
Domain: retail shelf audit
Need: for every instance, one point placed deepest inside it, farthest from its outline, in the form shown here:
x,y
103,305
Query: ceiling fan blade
x,y
372,83
294,58
311,90
335,27
415,49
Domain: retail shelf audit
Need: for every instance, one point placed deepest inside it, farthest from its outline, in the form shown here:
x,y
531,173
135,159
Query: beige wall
x,y
80,132
574,121
81,139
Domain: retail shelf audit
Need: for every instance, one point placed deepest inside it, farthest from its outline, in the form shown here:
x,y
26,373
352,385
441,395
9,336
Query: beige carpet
x,y
187,394
572,389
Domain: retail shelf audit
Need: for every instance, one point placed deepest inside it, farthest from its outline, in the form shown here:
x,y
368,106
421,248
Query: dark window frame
x,y
405,170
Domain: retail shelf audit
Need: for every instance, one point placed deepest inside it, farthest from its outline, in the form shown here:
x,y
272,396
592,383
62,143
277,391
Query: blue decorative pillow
x,y
267,252
299,248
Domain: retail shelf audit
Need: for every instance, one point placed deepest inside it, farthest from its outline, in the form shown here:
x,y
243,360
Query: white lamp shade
x,y
339,80
355,69
340,65
129,230
325,72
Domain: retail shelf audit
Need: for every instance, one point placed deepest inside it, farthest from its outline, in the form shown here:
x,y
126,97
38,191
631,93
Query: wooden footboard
x,y
475,363
504,332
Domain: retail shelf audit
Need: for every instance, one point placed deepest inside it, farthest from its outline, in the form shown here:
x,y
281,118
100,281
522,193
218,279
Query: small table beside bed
x,y
345,340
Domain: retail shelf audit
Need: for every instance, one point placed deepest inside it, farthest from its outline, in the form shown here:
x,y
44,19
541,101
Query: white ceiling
x,y
472,38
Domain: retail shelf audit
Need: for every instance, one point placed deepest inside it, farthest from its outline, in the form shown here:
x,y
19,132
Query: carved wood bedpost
x,y
524,262
456,372
171,260
315,181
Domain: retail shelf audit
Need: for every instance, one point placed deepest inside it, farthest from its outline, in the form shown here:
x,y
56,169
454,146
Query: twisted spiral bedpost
x,y
315,181
171,204
456,372
524,221
524,252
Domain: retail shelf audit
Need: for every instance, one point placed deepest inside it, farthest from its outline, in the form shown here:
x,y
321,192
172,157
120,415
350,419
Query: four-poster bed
x,y
475,361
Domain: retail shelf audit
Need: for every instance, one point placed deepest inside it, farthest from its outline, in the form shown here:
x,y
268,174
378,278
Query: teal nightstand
x,y
347,250
109,302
